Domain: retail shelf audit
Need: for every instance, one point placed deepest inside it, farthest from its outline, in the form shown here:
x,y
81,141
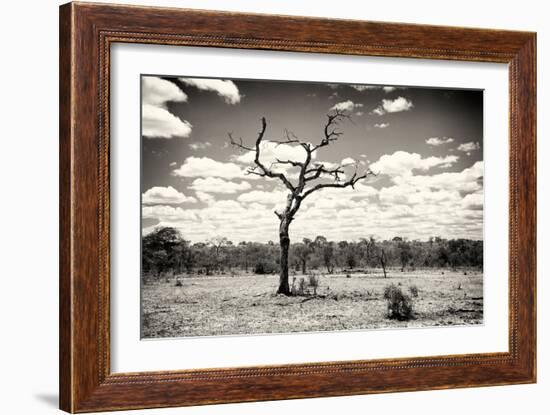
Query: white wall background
x,y
29,192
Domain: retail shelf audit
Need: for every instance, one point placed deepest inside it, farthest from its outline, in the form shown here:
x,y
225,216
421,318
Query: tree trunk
x,y
304,266
383,262
284,240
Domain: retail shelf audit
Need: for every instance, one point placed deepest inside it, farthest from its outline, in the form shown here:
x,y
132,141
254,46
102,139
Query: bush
x,y
302,286
400,306
263,267
313,282
413,289
260,268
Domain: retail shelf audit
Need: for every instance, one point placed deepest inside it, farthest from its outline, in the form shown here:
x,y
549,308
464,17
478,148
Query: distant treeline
x,y
165,251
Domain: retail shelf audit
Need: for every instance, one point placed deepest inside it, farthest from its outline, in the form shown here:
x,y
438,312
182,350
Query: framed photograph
x,y
255,208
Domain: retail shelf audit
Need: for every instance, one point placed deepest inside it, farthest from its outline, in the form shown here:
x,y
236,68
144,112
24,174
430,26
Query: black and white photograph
x,y
273,206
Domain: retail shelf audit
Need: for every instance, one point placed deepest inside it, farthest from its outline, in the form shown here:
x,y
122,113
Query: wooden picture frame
x,y
86,33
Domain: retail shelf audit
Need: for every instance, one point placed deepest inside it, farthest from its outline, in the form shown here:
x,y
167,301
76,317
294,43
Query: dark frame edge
x,y
526,60
66,44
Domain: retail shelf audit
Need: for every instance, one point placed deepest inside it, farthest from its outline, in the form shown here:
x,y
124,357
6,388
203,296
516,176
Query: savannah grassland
x,y
193,305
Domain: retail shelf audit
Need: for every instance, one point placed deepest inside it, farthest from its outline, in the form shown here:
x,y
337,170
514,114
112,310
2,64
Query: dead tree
x,y
309,173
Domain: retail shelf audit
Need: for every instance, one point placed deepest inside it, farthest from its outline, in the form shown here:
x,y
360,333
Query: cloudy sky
x,y
425,144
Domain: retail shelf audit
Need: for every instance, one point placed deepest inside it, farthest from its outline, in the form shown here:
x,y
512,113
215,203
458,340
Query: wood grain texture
x,y
65,246
86,33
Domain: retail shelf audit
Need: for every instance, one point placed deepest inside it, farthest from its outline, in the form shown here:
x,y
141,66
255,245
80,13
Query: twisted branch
x,y
307,173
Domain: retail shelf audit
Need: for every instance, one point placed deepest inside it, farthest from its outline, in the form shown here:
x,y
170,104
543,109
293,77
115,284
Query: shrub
x,y
302,286
178,283
413,289
313,282
400,306
263,267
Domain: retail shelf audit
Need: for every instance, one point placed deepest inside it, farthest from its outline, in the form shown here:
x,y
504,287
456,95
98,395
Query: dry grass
x,y
246,304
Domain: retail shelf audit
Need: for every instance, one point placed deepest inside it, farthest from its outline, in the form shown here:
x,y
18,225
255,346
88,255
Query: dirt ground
x,y
246,304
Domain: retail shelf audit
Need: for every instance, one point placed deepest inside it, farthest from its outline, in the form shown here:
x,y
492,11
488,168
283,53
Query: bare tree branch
x,y
330,130
321,169
264,171
239,144
290,138
351,182
306,173
291,162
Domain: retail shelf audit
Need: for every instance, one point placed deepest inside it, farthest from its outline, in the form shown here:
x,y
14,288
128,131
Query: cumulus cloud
x,y
168,213
223,217
433,204
468,147
157,91
416,206
362,88
382,125
262,197
224,88
345,106
348,161
165,195
200,146
362,191
403,163
473,201
396,105
447,165
410,195
207,198
217,185
207,167
271,151
157,121
386,89
468,180
438,141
